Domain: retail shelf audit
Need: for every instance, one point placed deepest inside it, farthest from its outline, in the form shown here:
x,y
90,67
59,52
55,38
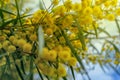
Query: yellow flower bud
x,y
27,47
11,49
21,42
72,61
61,71
110,17
33,37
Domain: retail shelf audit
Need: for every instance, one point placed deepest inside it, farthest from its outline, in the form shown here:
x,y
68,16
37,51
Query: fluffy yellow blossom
x,y
84,4
62,40
52,55
107,3
12,38
61,71
27,47
64,55
114,2
11,49
77,7
66,48
87,11
45,53
2,38
14,42
52,72
49,31
60,10
5,44
21,42
110,17
97,10
33,37
118,12
72,36
72,61
68,4
77,44
98,2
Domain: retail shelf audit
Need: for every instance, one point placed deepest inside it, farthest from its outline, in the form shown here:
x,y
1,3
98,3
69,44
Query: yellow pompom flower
x,y
118,12
64,55
33,37
52,55
97,10
77,7
77,44
49,31
2,38
60,10
11,49
72,61
114,2
12,38
5,44
14,42
61,71
51,72
107,3
72,36
27,47
87,11
45,53
110,17
68,4
21,42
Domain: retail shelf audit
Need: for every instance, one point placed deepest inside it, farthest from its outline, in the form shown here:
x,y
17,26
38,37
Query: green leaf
x,y
3,55
22,66
72,72
2,16
18,13
115,47
81,36
103,30
94,48
41,5
39,73
95,29
118,26
17,68
31,67
12,21
7,11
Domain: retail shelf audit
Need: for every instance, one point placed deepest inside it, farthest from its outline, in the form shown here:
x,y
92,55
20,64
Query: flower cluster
x,y
68,30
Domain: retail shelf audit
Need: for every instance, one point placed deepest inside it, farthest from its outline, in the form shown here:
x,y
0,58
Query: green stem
x,y
31,67
118,26
18,12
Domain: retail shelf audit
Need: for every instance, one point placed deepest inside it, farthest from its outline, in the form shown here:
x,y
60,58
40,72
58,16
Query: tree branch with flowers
x,y
54,40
